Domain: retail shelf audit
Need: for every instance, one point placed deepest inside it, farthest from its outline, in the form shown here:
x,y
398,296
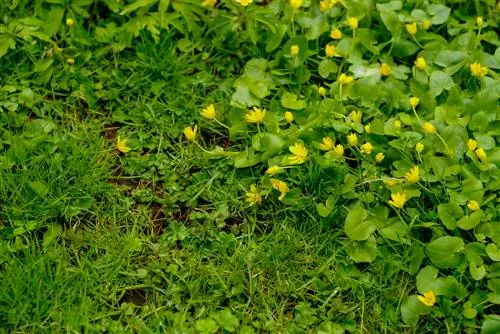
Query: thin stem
x,y
415,112
220,123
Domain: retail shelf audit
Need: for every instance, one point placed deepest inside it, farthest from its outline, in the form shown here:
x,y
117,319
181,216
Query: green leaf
x,y
6,43
243,98
275,40
227,320
290,101
329,327
493,252
411,309
426,279
357,226
404,48
440,81
449,213
136,5
392,21
246,159
325,209
271,145
40,188
443,251
206,326
448,58
440,13
256,69
491,324
363,251
327,67
477,272
471,221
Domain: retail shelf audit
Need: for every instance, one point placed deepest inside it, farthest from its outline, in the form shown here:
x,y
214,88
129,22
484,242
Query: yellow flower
x,y
477,70
330,50
366,148
413,176
479,21
368,128
471,145
121,145
70,61
281,186
209,3
244,3
273,170
294,50
352,139
420,63
379,157
356,116
426,24
322,91
339,150
289,117
411,28
209,112
190,132
429,298
296,3
429,128
253,196
352,22
385,70
473,205
299,152
327,144
336,33
414,101
391,182
70,22
397,124
419,147
255,116
324,5
345,79
481,154
398,200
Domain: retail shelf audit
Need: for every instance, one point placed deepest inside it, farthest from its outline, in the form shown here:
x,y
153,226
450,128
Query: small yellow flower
x,y
385,70
419,147
414,101
398,200
289,117
477,70
273,170
299,152
322,91
471,145
253,196
296,3
366,148
327,144
429,298
324,5
368,128
352,139
70,61
420,63
244,3
330,50
352,22
413,176
339,150
429,128
481,154
209,3
209,112
479,21
281,186
473,205
426,24
336,33
379,157
70,22
397,124
190,132
345,79
121,145
294,50
356,116
411,28
255,116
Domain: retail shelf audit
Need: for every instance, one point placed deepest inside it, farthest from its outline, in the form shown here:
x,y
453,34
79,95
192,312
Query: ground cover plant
x,y
239,166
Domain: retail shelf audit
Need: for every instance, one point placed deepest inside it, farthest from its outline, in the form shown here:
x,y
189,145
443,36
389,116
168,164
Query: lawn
x,y
239,166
